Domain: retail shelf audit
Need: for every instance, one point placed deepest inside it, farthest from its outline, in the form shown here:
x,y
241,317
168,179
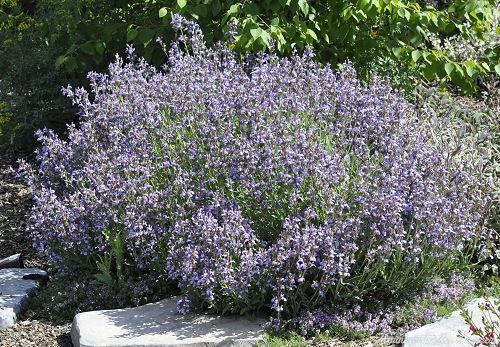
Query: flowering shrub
x,y
268,183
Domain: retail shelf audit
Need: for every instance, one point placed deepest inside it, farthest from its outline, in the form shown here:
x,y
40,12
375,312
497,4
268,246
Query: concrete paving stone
x,y
14,291
444,333
159,325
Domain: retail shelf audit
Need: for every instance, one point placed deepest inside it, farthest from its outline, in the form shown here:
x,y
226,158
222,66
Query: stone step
x,y
444,333
14,292
159,324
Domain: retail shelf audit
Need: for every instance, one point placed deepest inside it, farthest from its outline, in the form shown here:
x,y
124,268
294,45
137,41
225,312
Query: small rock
x,y
14,291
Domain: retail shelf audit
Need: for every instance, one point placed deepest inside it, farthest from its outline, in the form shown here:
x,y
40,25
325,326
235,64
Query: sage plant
x,y
269,182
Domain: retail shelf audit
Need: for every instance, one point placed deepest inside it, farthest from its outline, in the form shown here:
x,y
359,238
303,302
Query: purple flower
x,y
250,181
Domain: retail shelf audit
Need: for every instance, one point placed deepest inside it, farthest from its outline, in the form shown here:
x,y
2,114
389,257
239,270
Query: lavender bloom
x,y
249,183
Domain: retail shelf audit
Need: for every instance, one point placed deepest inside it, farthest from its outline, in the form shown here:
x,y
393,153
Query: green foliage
x,y
364,31
71,292
29,85
293,339
111,265
56,42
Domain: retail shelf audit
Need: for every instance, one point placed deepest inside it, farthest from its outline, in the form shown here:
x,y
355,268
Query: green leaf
x,y
100,47
199,11
426,56
250,9
458,73
281,42
256,33
363,4
360,13
304,6
216,7
181,3
60,61
158,57
449,67
376,4
275,21
132,34
407,15
415,55
312,34
486,66
404,13
497,69
146,35
87,48
429,72
234,9
415,38
397,51
162,12
471,72
346,14
326,37
434,20
71,64
266,38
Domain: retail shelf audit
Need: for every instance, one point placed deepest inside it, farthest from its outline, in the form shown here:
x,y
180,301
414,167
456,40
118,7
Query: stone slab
x,y
159,325
14,292
443,333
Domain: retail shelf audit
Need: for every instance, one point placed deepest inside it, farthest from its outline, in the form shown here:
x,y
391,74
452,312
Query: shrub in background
x,y
50,42
30,95
374,34
46,43
272,183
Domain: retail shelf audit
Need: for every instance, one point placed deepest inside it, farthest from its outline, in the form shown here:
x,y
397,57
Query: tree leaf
x,y
363,4
312,34
256,33
415,55
146,35
132,34
181,3
485,66
60,61
471,71
216,7
407,15
304,6
234,9
397,51
162,12
100,47
449,67
87,48
275,21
